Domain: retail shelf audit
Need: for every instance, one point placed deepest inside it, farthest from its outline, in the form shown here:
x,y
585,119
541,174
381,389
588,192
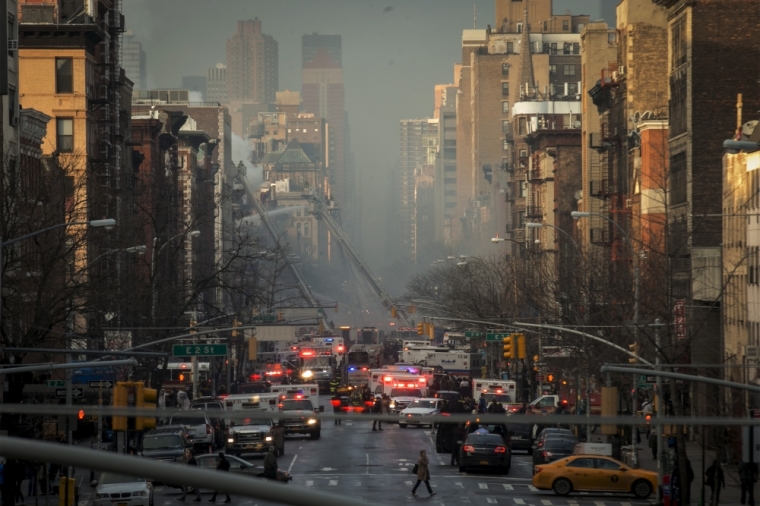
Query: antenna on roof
x,y
474,15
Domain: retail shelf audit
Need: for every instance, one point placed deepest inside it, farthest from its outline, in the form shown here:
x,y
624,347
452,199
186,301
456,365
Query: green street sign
x,y
56,383
473,334
199,350
497,337
265,318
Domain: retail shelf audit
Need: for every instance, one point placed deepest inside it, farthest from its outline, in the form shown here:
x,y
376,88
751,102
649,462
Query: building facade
x,y
216,83
135,61
252,64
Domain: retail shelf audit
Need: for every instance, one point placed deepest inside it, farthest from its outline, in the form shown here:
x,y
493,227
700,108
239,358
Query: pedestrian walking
x,y
336,403
31,475
423,474
377,408
457,436
186,488
747,477
653,444
222,465
715,479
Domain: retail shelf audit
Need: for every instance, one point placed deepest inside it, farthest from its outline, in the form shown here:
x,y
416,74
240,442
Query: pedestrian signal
x,y
80,415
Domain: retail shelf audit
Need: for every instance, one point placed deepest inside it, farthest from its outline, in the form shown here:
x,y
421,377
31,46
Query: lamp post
x,y
541,225
154,255
581,214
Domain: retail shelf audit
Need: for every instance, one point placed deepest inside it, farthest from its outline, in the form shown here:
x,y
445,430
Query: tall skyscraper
x,y
134,61
251,64
323,95
216,83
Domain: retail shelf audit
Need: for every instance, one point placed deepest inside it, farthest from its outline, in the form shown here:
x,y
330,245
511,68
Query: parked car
x,y
199,428
485,451
554,449
551,432
120,489
593,473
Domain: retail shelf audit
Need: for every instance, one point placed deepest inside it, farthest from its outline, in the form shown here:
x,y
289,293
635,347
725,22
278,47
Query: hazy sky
x,y
394,52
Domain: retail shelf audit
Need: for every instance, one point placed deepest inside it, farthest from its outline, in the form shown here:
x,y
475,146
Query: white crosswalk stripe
x,y
408,482
532,488
459,484
507,486
519,501
333,483
484,486
309,483
491,500
599,503
546,502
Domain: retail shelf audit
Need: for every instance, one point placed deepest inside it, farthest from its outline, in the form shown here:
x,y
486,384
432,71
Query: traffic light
x,y
635,350
280,316
393,312
420,329
550,378
321,327
252,348
431,331
145,398
120,395
181,377
509,351
521,346
80,415
235,324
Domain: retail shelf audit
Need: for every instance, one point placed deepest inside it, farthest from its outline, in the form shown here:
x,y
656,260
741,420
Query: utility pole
x,y
658,404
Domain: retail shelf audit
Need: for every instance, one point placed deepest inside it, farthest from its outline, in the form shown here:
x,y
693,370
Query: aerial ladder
x,y
302,286
321,210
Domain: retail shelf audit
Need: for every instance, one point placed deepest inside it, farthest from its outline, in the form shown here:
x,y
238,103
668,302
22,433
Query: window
x,y
65,135
552,70
11,30
678,189
569,70
450,193
510,47
576,48
565,25
64,75
298,228
505,89
523,189
298,212
572,88
609,465
450,180
585,463
566,48
450,168
522,126
505,107
554,48
519,27
505,145
546,26
505,69
505,126
678,36
523,153
520,219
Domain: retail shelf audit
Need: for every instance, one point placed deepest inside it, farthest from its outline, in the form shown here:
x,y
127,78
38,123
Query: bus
x,y
368,335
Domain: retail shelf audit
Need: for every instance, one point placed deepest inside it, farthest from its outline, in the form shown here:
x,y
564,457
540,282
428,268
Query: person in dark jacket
x,y
715,479
423,474
336,402
747,477
270,464
186,488
377,408
457,436
222,465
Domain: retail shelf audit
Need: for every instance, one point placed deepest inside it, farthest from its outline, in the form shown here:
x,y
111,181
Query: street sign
x,y
265,318
100,384
199,350
539,377
473,334
61,392
497,337
539,364
56,383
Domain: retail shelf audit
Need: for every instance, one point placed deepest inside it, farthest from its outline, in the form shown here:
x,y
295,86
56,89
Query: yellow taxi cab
x,y
593,473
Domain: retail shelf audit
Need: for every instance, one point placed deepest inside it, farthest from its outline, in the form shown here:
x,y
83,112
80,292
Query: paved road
x,y
350,459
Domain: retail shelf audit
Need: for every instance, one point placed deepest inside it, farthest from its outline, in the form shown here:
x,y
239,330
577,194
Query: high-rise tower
x,y
251,64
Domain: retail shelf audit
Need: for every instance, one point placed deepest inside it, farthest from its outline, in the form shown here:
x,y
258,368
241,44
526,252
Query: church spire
x,y
525,72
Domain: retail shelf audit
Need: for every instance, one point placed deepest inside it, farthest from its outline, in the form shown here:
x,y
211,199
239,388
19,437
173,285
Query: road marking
x,y
491,500
402,460
408,482
599,503
532,488
367,463
519,501
625,504
459,484
464,500
309,483
300,447
405,469
483,485
333,483
507,486
358,483
292,462
546,502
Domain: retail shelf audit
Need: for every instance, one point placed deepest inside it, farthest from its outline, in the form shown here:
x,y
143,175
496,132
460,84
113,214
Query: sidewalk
x,y
730,495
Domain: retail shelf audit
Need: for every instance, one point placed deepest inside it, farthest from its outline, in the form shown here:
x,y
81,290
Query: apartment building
x,y
496,65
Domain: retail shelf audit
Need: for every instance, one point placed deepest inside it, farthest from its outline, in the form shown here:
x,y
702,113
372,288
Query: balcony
x,y
534,212
534,174
599,236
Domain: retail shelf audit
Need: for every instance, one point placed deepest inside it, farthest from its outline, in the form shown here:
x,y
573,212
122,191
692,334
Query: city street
x,y
353,460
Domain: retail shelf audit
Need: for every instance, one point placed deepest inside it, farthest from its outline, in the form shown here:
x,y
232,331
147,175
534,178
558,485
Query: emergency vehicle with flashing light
x,y
382,381
503,391
404,390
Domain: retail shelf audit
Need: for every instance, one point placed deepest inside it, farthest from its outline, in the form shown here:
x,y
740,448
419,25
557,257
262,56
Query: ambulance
x,y
307,392
503,391
239,406
381,381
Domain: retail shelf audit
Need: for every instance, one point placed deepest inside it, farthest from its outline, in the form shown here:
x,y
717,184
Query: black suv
x,y
166,445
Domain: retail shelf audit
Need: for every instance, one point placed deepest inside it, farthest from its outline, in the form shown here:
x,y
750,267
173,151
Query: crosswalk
x,y
518,494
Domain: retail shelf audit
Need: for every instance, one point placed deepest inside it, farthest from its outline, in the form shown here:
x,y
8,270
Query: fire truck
x,y
316,364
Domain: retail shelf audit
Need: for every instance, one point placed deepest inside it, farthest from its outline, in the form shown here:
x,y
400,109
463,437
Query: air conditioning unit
x,y
628,203
615,75
13,45
752,352
621,70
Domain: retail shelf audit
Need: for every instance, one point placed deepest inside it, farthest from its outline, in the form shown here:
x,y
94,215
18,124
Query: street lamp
x,y
583,214
541,225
